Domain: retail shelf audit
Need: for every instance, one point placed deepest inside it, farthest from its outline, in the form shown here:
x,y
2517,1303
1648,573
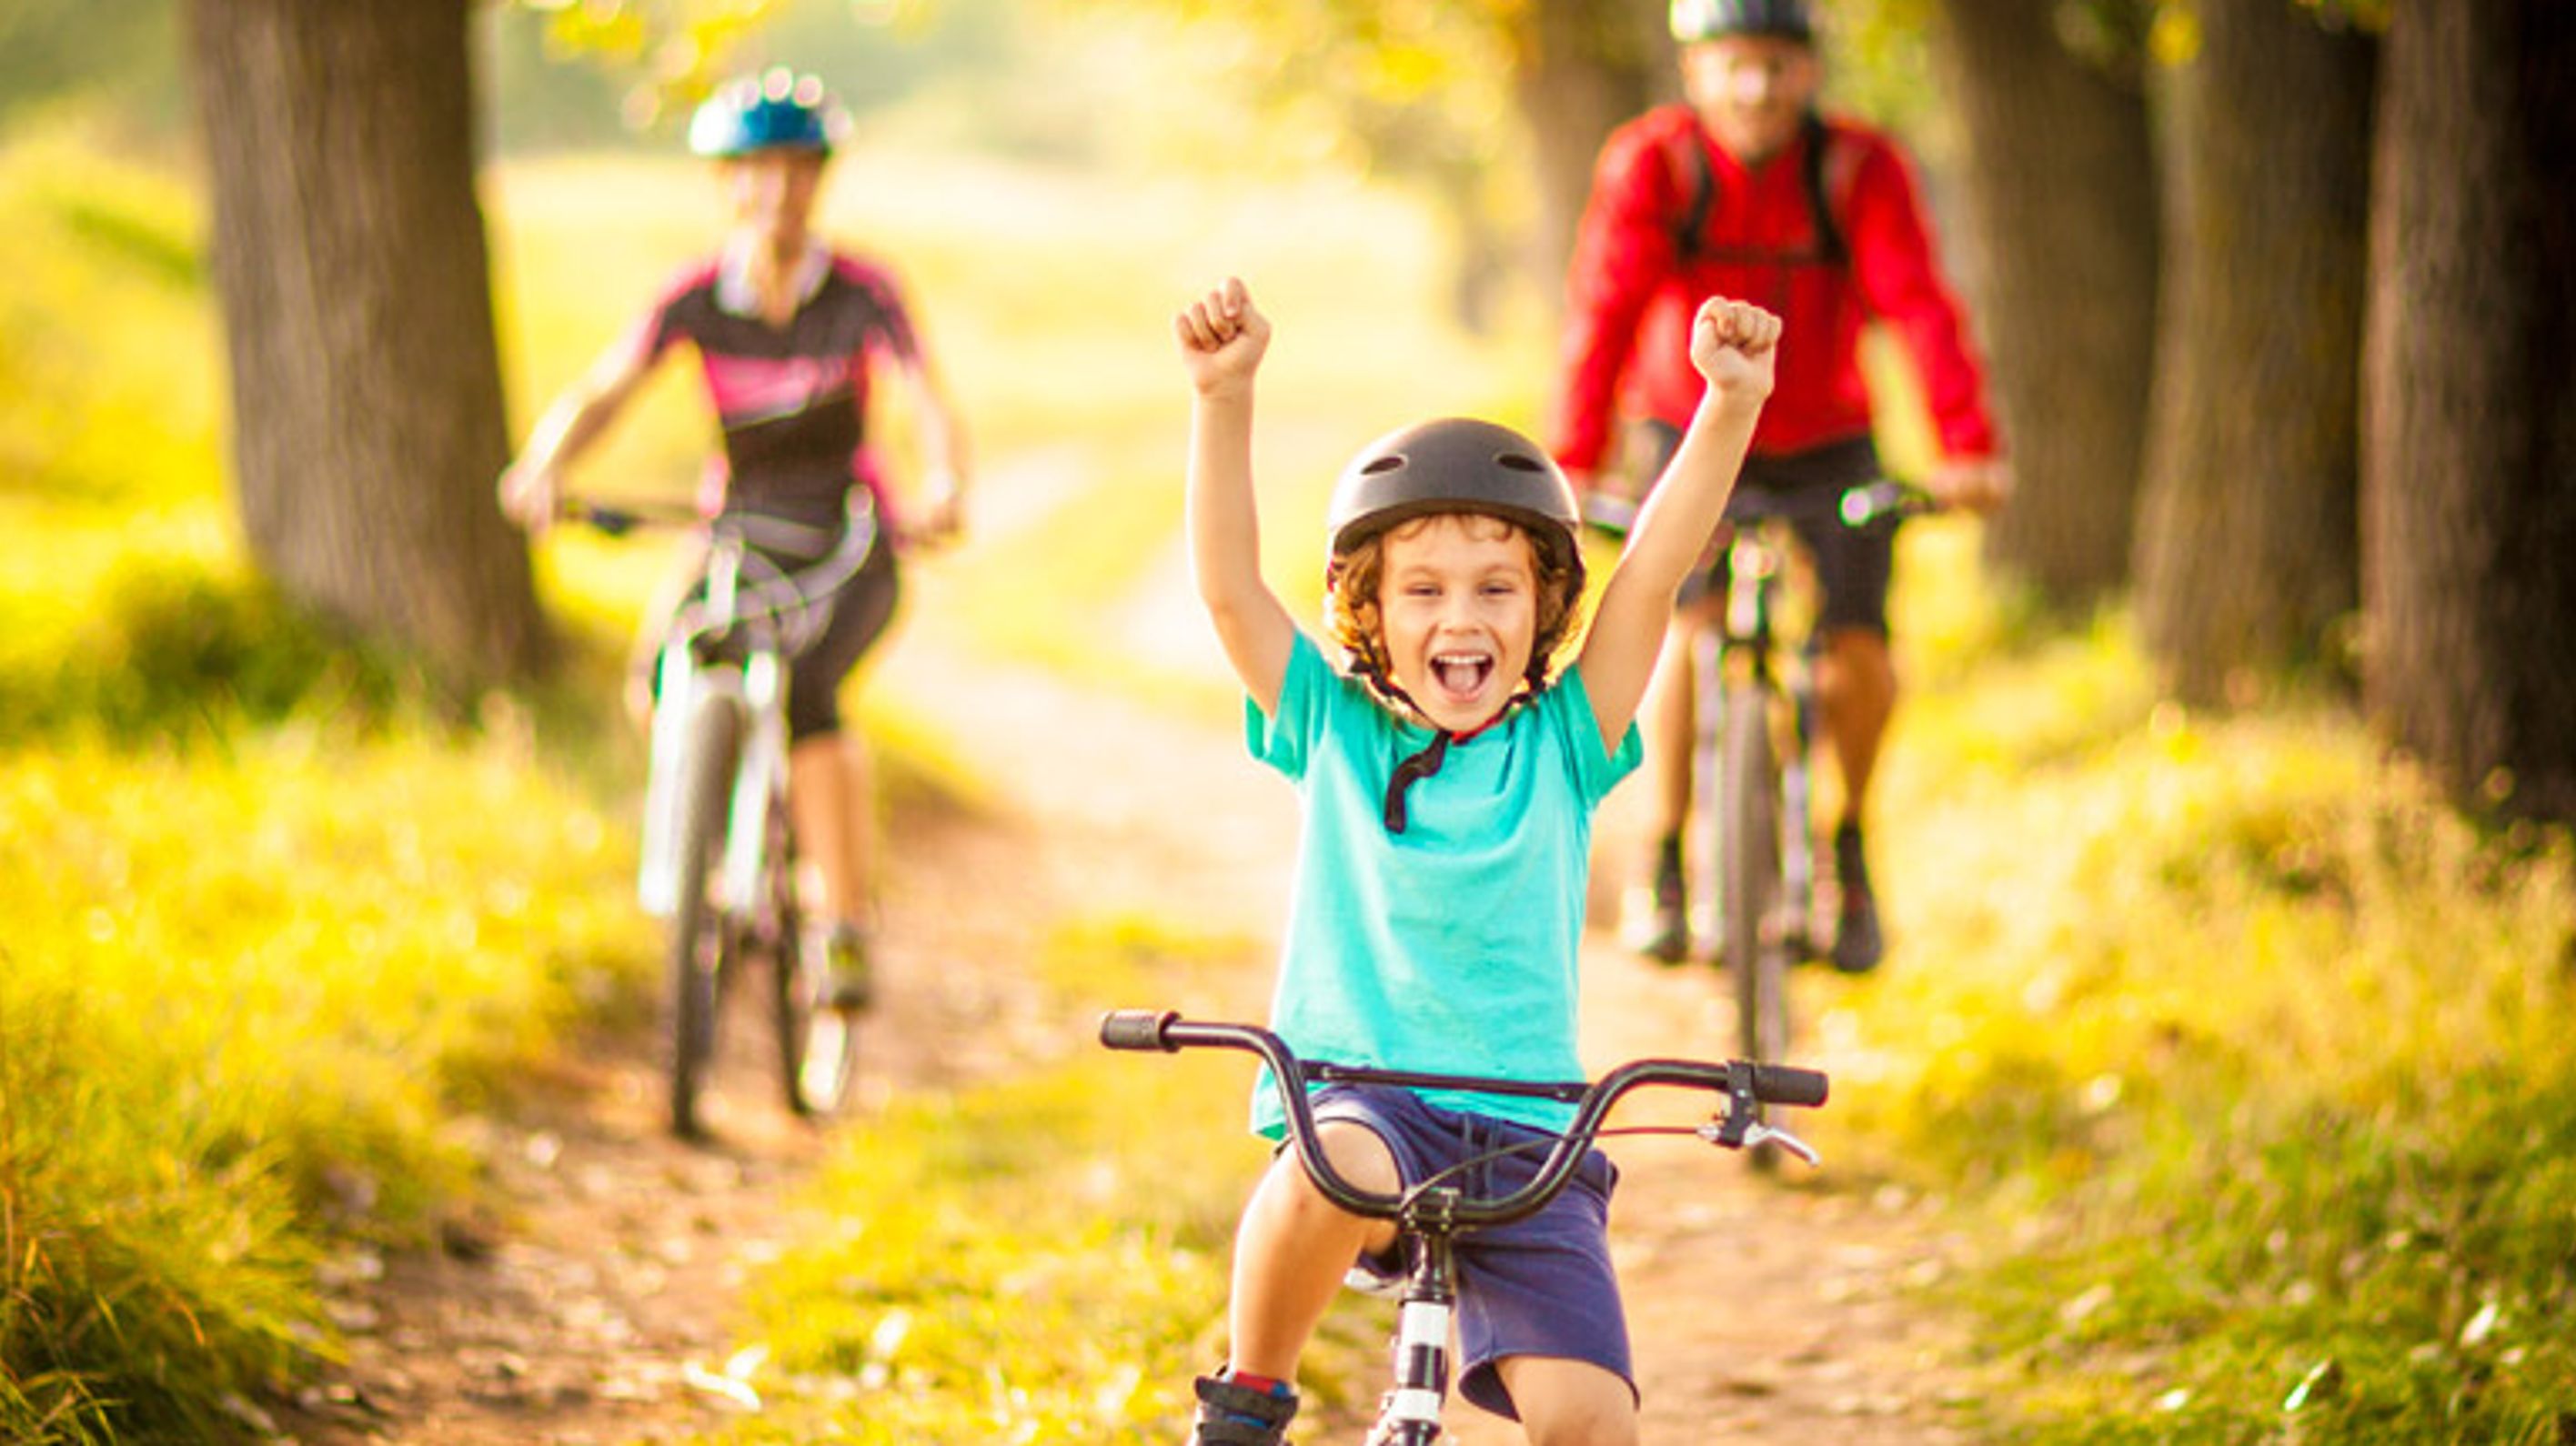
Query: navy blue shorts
x,y
1538,1287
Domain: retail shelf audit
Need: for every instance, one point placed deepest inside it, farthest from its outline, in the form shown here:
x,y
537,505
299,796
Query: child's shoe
x,y
1233,1414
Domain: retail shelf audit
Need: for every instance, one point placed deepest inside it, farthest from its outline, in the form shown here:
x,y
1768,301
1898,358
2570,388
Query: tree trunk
x,y
2469,460
2061,186
2248,529
1580,69
348,247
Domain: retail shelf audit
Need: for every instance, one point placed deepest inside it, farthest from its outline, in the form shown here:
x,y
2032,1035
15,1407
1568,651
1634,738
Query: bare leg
x,y
1856,689
1294,1247
1570,1403
832,803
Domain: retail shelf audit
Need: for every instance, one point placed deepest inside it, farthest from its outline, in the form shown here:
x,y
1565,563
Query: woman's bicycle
x,y
1431,1214
1750,851
718,855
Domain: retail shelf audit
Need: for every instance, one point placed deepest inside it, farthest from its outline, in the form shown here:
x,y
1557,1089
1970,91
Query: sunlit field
x,y
2239,1060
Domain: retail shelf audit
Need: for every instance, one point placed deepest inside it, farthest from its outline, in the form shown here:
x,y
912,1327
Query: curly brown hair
x,y
1351,606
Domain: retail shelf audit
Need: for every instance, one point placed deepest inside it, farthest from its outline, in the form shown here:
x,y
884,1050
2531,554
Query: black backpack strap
x,y
1830,248
1689,160
1698,179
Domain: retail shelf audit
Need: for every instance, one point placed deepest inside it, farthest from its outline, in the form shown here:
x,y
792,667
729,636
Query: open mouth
x,y
1462,674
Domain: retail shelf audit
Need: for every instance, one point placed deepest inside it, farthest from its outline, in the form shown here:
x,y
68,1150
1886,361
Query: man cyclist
x,y
1747,191
790,333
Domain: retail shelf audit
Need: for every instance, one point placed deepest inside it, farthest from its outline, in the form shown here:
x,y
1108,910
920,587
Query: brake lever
x,y
1753,1134
1743,1129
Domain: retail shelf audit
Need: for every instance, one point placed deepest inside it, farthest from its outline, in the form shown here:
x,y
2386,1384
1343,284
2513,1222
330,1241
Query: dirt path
x,y
595,1307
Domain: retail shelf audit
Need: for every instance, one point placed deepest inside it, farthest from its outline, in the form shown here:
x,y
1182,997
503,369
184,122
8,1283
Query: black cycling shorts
x,y
861,609
1853,564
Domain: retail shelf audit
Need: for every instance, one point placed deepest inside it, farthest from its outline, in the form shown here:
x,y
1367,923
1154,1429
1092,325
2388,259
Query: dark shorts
x,y
861,609
1538,1287
1853,564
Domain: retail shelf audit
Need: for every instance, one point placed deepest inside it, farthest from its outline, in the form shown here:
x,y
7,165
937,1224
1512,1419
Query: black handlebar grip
x,y
1136,1028
1780,1084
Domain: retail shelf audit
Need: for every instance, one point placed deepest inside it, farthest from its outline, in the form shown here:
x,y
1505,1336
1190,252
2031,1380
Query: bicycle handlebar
x,y
618,518
1888,497
1744,1084
1612,515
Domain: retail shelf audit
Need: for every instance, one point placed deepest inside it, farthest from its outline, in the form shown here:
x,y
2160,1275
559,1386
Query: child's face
x,y
1458,608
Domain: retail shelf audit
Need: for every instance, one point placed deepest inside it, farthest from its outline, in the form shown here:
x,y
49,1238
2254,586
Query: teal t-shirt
x,y
1452,947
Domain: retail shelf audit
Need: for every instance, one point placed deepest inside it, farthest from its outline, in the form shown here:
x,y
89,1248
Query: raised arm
x,y
1222,338
946,465
531,487
1734,345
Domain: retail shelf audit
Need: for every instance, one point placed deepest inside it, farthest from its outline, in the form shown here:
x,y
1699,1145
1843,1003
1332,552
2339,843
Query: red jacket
x,y
1630,299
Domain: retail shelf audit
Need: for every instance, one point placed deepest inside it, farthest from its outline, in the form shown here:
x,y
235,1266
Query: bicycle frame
x,y
1741,651
718,852
686,681
1431,1214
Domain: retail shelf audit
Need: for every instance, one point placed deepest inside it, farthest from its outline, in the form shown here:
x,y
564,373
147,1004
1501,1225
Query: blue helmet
x,y
774,111
1697,20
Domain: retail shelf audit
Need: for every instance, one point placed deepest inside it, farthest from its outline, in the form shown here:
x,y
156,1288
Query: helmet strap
x,y
1417,766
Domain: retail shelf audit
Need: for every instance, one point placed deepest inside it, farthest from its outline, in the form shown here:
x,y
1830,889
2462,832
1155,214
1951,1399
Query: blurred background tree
x,y
2157,205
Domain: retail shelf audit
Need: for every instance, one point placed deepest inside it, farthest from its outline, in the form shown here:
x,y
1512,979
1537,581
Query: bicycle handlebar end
x,y
1780,1084
610,520
1138,1029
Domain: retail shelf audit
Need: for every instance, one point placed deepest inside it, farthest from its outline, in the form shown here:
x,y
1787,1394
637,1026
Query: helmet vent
x,y
1519,462
1387,463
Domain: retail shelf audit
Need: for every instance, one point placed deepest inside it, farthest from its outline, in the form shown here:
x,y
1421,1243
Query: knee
x,y
1596,1424
1857,661
1571,1403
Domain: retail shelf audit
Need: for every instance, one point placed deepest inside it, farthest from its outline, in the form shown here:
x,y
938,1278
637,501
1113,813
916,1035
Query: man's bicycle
x,y
1431,1214
1750,846
718,854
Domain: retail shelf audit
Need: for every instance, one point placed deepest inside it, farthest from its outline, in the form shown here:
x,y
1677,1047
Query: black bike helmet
x,y
1456,464
1697,20
775,111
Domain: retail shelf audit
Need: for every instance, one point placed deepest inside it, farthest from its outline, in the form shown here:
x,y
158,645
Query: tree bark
x,y
2247,546
2061,188
2469,457
1581,69
348,247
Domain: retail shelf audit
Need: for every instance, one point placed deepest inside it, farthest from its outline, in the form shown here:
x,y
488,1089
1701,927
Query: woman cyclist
x,y
790,333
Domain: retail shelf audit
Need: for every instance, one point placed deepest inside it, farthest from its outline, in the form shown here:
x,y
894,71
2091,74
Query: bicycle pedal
x,y
1368,1282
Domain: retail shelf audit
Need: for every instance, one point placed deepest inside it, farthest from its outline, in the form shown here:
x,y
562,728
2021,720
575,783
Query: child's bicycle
x,y
718,855
1430,1214
1751,851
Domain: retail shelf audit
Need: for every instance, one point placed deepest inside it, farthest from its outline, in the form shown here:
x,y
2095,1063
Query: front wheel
x,y
702,931
1749,838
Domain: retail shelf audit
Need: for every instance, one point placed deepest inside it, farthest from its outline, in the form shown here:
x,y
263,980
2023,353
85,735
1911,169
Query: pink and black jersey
x,y
792,400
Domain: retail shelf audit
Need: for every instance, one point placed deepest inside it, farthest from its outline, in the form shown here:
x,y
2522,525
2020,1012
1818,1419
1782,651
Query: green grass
x,y
274,919
2245,1055
1040,1260
2237,1057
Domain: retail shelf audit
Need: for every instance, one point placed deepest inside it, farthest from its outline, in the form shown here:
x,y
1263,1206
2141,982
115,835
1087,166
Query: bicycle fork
x,y
684,687
1797,832
680,685
756,781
